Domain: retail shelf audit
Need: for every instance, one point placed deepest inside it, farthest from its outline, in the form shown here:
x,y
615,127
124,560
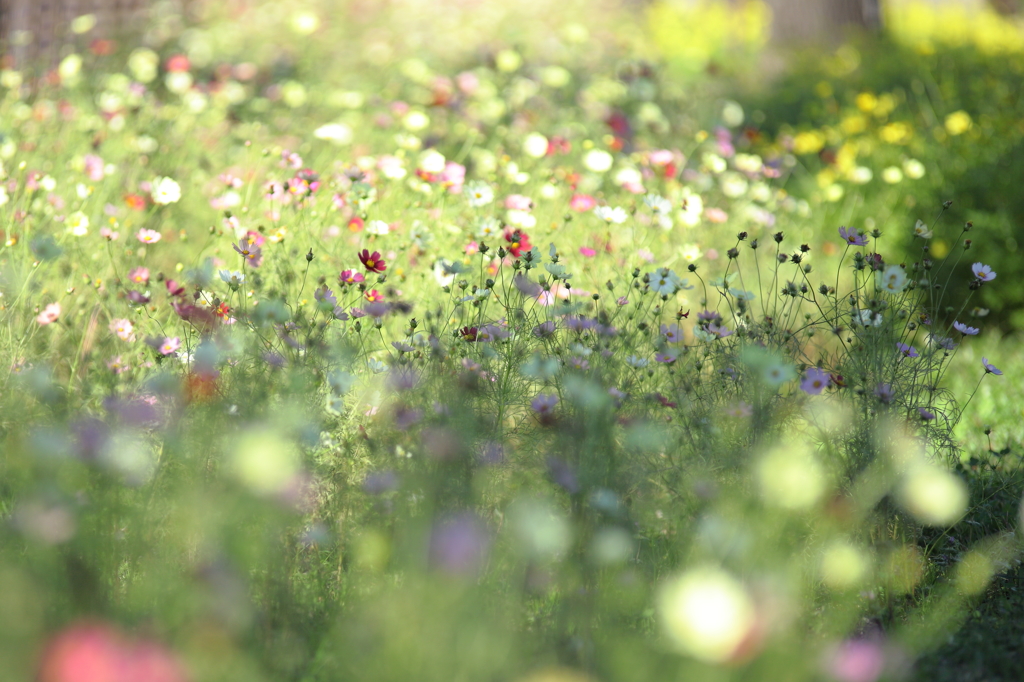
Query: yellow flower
x,y
809,142
866,102
958,123
896,133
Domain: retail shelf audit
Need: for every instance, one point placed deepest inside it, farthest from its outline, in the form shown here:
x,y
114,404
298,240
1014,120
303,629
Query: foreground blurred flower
x,y
458,545
96,652
708,614
856,660
933,495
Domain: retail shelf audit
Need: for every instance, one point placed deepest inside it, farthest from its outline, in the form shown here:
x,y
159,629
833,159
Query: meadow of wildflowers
x,y
510,367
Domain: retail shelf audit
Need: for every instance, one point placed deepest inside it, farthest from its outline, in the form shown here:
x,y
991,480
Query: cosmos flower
x,y
373,262
49,314
815,381
964,329
908,351
852,236
147,236
250,251
983,272
990,368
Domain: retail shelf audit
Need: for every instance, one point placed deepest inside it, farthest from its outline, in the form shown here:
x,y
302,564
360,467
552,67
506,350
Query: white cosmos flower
x,y
535,145
432,161
78,224
523,219
608,214
479,194
165,191
893,279
598,161
338,133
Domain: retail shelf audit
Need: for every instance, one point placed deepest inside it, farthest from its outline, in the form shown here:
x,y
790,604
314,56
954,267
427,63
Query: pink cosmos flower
x,y
856,660
147,236
581,203
169,345
124,329
660,157
453,176
715,215
96,652
518,202
50,314
587,251
350,277
139,275
94,167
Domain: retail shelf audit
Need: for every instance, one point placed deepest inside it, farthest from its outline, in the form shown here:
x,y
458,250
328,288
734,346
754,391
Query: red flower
x,y
372,261
135,202
468,333
518,242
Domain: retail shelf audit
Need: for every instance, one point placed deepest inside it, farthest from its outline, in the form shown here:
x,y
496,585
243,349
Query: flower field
x,y
544,353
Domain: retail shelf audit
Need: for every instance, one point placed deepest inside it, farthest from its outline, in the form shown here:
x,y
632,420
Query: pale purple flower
x,y
815,381
983,272
884,393
672,333
964,329
544,329
852,236
990,368
544,403
908,351
943,342
925,414
380,482
721,331
458,544
563,474
578,363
